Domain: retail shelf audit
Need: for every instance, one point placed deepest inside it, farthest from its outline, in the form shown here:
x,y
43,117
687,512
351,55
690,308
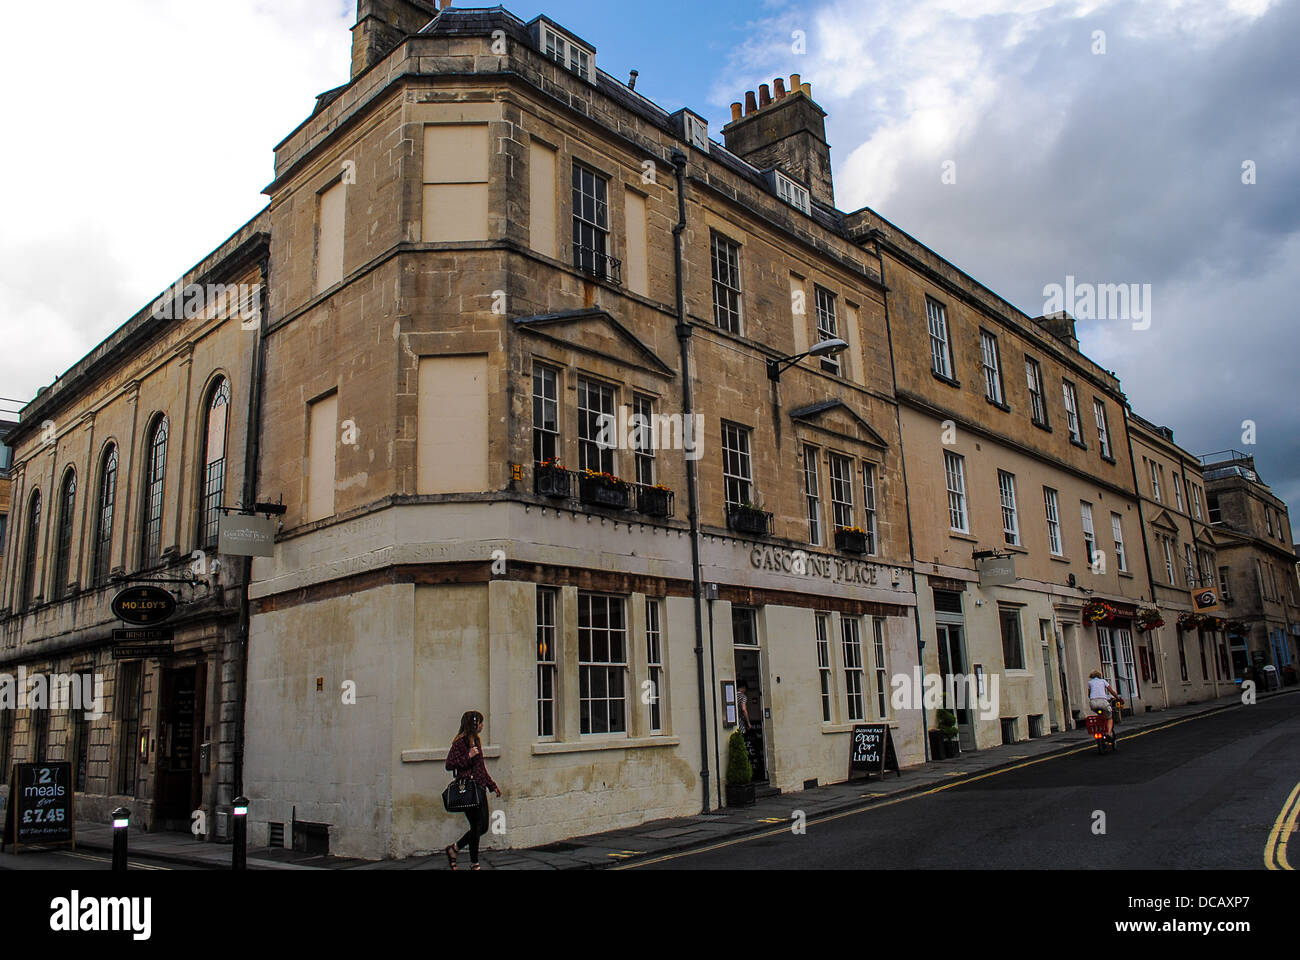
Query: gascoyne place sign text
x,y
800,563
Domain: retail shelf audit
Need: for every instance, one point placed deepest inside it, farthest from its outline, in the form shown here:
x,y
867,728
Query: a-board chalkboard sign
x,y
40,809
872,750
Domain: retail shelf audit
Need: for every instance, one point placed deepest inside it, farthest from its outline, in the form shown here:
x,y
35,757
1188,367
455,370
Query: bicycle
x,y
1096,723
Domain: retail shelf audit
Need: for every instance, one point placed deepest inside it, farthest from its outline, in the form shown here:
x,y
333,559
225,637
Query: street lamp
x,y
827,348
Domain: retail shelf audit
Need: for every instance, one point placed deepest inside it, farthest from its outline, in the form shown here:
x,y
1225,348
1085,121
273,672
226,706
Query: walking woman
x,y
465,758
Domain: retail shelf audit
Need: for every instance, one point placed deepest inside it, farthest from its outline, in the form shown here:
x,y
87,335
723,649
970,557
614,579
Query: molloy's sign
x,y
995,571
143,605
821,566
1207,598
244,536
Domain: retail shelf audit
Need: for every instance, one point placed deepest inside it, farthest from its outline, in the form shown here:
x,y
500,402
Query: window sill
x,y
1125,573
626,743
1078,443
958,535
1041,425
1059,558
490,752
1015,548
1110,460
948,380
1001,405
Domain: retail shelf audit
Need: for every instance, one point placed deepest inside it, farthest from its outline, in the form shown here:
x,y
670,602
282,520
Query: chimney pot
x,y
780,88
794,83
806,89
735,111
750,104
764,95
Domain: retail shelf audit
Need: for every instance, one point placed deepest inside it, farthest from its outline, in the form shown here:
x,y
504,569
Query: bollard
x,y
239,851
121,823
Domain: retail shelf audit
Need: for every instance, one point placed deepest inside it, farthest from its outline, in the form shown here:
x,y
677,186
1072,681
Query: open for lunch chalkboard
x,y
872,749
40,805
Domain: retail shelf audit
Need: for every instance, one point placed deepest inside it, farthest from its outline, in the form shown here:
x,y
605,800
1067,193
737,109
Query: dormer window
x,y
568,54
792,193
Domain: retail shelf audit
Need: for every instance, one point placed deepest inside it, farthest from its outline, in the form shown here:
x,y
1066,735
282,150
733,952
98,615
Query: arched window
x,y
212,489
104,520
155,467
63,537
30,586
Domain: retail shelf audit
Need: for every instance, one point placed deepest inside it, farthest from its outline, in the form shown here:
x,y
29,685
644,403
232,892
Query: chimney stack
x,y
736,111
787,132
383,24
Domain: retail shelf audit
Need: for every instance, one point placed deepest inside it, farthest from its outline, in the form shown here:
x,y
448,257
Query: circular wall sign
x,y
144,605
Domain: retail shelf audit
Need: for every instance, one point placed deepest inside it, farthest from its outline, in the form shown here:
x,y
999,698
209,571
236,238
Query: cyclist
x,y
1099,696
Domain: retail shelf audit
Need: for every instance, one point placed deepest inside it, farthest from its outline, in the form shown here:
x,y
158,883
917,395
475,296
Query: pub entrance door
x,y
178,775
749,673
952,667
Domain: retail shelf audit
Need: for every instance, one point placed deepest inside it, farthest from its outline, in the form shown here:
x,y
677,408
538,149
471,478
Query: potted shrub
x,y
747,518
603,490
740,774
851,540
656,501
551,479
937,751
946,721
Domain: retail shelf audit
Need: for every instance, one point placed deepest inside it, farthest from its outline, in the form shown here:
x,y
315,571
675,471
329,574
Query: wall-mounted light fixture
x,y
826,348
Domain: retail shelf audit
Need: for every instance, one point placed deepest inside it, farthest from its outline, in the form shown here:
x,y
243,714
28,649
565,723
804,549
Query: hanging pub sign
x,y
240,535
996,571
40,805
1207,598
143,605
872,750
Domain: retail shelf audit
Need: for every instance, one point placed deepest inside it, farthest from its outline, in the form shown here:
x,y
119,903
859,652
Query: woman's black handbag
x,y
463,794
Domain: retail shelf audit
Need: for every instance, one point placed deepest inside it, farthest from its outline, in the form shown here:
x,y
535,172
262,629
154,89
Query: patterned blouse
x,y
459,760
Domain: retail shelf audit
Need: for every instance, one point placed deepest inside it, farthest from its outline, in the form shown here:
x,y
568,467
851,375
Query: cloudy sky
x,y
1104,141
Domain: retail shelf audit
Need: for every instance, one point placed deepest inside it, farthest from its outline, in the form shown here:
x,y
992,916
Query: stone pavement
x,y
659,837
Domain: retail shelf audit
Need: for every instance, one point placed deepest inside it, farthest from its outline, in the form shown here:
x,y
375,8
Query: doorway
x,y
952,667
749,677
179,777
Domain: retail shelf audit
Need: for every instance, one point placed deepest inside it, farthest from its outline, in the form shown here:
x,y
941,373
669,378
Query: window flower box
x,y
552,480
604,490
654,501
747,518
851,540
1149,618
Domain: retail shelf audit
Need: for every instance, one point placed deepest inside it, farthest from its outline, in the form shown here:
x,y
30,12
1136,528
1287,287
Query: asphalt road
x,y
1204,793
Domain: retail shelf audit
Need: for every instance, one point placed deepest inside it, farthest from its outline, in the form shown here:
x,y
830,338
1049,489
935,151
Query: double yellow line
x,y
1275,849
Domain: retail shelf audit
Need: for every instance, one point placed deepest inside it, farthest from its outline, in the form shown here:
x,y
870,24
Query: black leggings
x,y
478,825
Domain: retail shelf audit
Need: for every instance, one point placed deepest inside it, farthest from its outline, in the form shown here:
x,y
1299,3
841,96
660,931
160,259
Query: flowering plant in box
x,y
551,463
849,530
1190,621
603,478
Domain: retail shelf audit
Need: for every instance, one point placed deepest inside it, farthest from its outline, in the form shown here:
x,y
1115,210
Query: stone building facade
x,y
1015,451
1186,659
1256,565
119,470
474,252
